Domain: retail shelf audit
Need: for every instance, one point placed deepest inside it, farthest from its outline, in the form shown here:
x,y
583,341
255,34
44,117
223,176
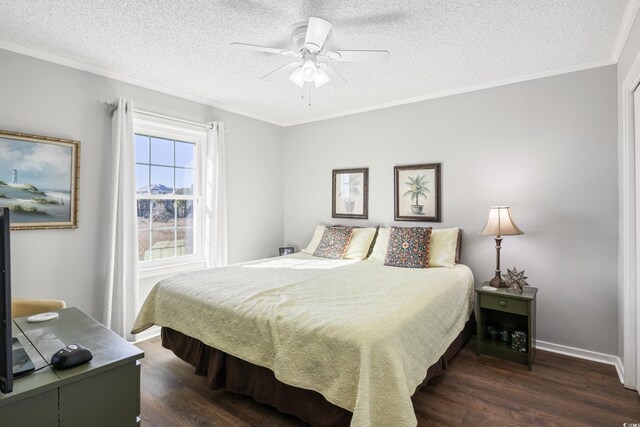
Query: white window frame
x,y
170,130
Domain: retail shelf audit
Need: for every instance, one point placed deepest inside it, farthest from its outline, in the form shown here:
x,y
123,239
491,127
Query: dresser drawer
x,y
501,303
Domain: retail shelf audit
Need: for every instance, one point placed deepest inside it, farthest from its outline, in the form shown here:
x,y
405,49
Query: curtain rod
x,y
160,116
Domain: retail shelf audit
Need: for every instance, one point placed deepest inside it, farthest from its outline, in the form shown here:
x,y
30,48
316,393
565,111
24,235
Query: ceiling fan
x,y
311,65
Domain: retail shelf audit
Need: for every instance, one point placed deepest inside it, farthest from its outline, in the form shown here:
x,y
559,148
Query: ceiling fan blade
x,y
281,72
263,49
359,55
334,76
317,32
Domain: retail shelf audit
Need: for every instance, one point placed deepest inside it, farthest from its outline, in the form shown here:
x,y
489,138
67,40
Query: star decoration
x,y
515,278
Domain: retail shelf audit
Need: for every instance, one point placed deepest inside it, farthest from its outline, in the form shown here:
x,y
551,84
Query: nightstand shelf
x,y
502,350
506,309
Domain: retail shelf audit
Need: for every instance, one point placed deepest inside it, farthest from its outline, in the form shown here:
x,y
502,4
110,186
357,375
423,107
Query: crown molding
x,y
630,13
473,88
95,69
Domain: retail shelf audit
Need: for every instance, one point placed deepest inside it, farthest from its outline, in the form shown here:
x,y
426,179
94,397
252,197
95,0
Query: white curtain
x,y
215,197
121,301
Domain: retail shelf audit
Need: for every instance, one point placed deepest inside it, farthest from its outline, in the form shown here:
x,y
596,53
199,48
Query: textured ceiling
x,y
436,46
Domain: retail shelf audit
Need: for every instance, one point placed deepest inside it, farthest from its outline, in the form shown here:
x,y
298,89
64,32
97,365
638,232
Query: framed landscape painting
x,y
39,180
417,192
350,193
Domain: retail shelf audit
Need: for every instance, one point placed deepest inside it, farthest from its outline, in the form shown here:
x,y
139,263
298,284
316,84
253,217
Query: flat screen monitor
x,y
6,337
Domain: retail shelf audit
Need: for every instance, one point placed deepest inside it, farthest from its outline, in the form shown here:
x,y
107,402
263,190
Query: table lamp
x,y
499,224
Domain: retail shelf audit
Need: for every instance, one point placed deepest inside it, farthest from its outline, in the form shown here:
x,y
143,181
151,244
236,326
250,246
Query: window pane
x,y
161,151
164,168
142,178
161,180
163,243
143,245
184,213
142,149
184,241
162,214
184,181
184,154
144,212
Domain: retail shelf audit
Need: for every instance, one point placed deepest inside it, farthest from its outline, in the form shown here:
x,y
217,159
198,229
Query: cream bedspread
x,y
360,333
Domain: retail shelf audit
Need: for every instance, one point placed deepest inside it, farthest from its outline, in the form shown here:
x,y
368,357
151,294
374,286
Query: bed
x,y
330,341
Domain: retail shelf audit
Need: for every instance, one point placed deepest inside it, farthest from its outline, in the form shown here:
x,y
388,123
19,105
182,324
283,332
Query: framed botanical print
x,y
417,192
39,180
350,193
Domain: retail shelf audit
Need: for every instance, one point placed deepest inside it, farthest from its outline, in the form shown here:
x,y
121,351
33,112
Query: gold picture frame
x,y
39,180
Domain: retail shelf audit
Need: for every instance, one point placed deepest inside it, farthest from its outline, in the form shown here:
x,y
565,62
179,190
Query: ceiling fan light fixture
x,y
311,64
297,78
309,71
321,79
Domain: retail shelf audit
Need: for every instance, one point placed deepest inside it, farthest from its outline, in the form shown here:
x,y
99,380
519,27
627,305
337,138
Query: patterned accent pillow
x,y
334,242
408,247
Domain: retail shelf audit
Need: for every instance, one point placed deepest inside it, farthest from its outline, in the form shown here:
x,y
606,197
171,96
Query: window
x,y
169,194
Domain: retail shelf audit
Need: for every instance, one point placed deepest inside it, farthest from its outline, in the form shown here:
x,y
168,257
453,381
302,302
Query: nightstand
x,y
506,309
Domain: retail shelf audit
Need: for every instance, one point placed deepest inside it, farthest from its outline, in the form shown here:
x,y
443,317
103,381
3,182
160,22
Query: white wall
x,y
42,98
627,56
545,147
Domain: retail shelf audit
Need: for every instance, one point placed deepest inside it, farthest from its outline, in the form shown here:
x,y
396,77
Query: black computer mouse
x,y
70,356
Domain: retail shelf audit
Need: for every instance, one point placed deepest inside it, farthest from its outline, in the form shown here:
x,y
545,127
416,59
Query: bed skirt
x,y
238,376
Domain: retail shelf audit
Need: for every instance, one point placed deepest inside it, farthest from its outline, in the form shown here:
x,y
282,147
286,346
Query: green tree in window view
x,y
417,187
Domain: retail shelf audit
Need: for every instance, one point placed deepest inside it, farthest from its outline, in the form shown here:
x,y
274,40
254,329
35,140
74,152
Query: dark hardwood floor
x,y
559,391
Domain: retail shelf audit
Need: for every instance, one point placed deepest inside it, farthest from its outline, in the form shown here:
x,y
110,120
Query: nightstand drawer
x,y
502,303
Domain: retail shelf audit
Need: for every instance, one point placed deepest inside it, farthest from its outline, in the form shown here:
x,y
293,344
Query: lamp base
x,y
498,282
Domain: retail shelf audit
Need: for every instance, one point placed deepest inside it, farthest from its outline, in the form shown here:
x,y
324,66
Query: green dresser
x,y
102,392
506,310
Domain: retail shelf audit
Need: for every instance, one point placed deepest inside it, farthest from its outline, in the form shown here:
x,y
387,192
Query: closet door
x,y
636,114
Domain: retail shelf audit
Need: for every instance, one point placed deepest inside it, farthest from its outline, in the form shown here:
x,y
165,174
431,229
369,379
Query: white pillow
x,y
315,240
380,248
360,243
442,247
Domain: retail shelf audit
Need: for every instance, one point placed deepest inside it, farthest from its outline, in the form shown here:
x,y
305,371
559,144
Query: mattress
x,y
359,333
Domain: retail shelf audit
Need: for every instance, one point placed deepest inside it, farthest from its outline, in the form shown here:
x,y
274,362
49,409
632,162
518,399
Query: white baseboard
x,y
152,332
580,353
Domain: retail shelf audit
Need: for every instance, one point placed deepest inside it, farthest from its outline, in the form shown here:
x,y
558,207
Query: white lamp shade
x,y
309,71
321,78
296,77
500,222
